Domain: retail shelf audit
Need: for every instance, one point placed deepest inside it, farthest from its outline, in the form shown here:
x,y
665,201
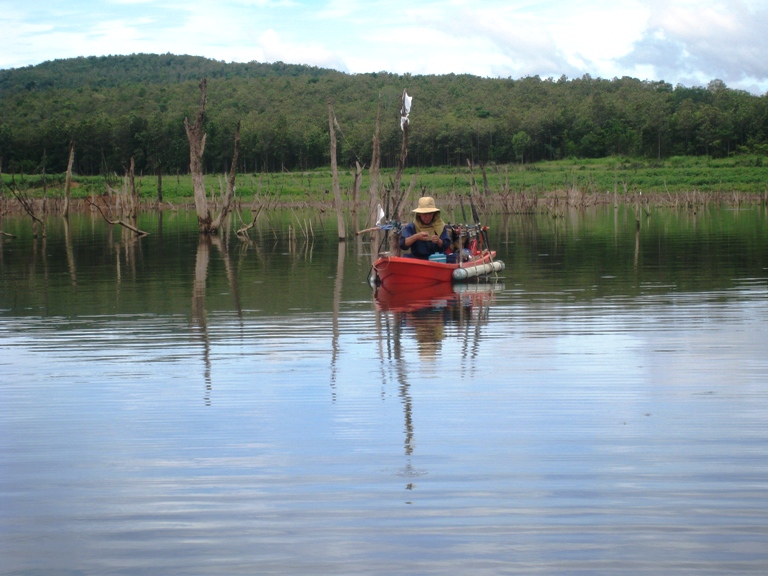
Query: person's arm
x,y
405,233
415,238
445,239
408,236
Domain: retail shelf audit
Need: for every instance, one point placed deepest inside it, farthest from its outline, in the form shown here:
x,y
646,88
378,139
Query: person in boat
x,y
427,234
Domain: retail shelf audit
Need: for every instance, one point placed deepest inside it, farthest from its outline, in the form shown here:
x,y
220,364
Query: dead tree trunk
x,y
227,203
132,207
335,175
68,179
356,193
159,185
44,208
196,136
374,171
472,182
405,109
486,188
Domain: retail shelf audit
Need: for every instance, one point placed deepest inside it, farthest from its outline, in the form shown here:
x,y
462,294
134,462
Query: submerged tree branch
x,y
243,231
29,208
120,222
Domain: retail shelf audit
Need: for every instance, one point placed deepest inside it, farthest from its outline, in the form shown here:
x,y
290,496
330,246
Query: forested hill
x,y
117,71
118,107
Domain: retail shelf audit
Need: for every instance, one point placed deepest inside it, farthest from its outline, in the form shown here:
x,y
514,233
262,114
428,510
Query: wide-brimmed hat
x,y
426,205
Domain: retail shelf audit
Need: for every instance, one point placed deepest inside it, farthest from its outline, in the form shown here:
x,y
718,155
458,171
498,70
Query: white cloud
x,y
700,41
687,41
339,9
114,32
274,49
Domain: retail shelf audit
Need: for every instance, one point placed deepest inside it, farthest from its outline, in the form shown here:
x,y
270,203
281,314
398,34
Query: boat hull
x,y
403,271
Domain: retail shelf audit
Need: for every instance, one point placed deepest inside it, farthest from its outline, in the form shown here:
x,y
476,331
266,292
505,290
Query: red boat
x,y
403,271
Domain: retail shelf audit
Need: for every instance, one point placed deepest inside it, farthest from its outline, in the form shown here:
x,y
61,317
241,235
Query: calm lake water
x,y
177,406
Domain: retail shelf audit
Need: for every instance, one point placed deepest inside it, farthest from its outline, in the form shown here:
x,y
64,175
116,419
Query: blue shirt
x,y
424,248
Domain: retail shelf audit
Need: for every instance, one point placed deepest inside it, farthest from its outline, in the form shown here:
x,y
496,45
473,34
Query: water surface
x,y
178,406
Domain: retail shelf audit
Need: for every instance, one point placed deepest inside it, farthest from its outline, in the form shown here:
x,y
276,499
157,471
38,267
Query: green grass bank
x,y
737,174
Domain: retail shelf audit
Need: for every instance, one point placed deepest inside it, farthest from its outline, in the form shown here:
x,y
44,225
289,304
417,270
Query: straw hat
x,y
426,205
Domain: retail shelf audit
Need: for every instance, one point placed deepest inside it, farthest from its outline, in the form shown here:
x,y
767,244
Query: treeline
x,y
118,107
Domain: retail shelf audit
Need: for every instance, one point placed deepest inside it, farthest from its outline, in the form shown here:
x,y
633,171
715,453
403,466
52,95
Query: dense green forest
x,y
118,107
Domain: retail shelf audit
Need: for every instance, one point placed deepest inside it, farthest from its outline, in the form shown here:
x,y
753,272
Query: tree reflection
x,y
199,313
337,287
70,253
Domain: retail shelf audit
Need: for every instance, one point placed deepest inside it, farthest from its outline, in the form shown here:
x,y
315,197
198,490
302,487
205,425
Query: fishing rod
x,y
463,212
386,215
476,216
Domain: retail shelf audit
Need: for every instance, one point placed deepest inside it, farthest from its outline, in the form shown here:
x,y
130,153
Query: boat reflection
x,y
428,310
431,314
412,298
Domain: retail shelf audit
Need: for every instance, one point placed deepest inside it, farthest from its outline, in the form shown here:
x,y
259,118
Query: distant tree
x,y
520,144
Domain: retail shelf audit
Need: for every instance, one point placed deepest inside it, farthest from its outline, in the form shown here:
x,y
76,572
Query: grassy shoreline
x,y
619,178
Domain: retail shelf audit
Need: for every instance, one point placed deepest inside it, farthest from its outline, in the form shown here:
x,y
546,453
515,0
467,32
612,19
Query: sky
x,y
688,42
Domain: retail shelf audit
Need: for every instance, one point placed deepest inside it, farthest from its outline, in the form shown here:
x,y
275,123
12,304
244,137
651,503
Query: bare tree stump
x,y
196,136
335,175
